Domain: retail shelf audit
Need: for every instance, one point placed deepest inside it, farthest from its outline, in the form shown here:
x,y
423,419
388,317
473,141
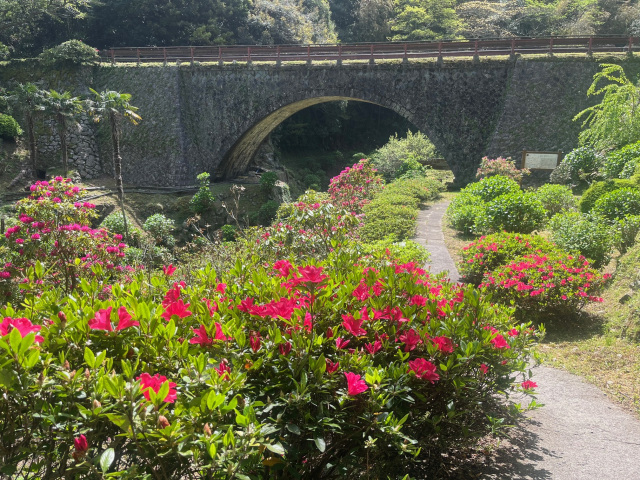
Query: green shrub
x,y
114,223
424,189
598,189
228,233
160,228
583,234
490,188
72,52
203,199
618,204
390,159
556,199
9,128
626,231
268,182
505,167
267,212
386,219
312,181
622,163
393,198
400,252
515,212
410,168
466,212
579,166
492,251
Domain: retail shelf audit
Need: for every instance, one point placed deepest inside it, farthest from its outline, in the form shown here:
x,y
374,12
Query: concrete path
x,y
578,434
429,234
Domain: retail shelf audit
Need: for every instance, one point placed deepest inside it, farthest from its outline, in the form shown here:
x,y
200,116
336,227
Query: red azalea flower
x,y
219,335
201,338
329,332
529,385
445,345
484,368
424,369
23,325
341,343
223,369
513,332
102,320
284,348
355,384
254,341
168,270
222,287
372,348
173,294
361,292
177,308
311,274
410,339
353,326
500,342
125,320
246,304
155,383
283,267
332,367
80,447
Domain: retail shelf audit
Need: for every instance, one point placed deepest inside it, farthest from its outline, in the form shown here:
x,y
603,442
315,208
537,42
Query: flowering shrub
x,y
514,212
355,186
489,252
553,283
505,167
466,211
54,244
556,199
583,234
268,370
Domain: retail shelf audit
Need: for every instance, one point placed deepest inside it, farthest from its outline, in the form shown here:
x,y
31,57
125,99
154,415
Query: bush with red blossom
x,y
547,282
267,370
54,243
355,186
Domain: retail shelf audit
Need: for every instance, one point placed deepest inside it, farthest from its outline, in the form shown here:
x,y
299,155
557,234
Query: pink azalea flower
x,y
372,348
102,320
332,367
353,326
484,369
177,308
355,384
201,337
23,325
500,342
168,270
219,335
223,369
410,339
125,320
424,369
155,383
529,385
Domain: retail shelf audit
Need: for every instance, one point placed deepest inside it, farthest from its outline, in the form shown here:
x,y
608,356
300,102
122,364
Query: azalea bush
x,y
355,186
513,212
553,283
492,251
556,199
273,370
505,167
618,204
54,244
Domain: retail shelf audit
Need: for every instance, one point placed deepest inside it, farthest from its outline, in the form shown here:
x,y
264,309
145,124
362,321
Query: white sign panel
x,y
541,161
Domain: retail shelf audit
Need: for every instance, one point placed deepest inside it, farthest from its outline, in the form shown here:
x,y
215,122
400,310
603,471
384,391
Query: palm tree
x,y
65,109
28,100
114,106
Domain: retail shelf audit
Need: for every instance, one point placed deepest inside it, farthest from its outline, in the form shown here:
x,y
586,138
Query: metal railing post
x,y
440,60
278,59
113,56
308,54
192,59
220,62
164,54
138,54
405,58
371,58
551,46
248,55
476,56
630,51
339,55
590,49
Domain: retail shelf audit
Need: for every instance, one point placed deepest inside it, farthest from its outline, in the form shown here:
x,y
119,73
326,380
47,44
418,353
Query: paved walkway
x,y
578,434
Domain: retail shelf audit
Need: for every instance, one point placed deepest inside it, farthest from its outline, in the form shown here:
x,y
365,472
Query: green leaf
x,y
120,421
89,357
293,428
106,459
242,420
320,443
276,448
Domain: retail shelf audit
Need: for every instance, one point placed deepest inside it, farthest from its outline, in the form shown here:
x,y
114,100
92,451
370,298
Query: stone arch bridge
x,y
213,118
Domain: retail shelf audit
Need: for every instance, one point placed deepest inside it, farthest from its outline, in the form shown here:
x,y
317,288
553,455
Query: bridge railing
x,y
373,51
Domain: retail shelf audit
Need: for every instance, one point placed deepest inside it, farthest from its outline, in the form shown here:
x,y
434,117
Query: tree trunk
x,y
117,166
62,131
32,144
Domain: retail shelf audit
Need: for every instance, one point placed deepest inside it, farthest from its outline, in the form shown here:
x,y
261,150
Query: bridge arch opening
x,y
240,156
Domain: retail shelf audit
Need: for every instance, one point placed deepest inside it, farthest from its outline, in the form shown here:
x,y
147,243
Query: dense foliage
x,y
30,27
598,189
506,167
400,155
268,368
9,128
556,199
583,234
579,167
622,163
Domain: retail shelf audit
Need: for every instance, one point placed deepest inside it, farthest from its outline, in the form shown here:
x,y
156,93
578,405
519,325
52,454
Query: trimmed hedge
x,y
598,189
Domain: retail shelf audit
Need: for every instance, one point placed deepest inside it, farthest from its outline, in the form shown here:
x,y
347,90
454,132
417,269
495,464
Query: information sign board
x,y
541,160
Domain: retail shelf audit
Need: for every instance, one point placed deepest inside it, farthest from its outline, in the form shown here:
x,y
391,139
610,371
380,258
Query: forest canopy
x,y
29,27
